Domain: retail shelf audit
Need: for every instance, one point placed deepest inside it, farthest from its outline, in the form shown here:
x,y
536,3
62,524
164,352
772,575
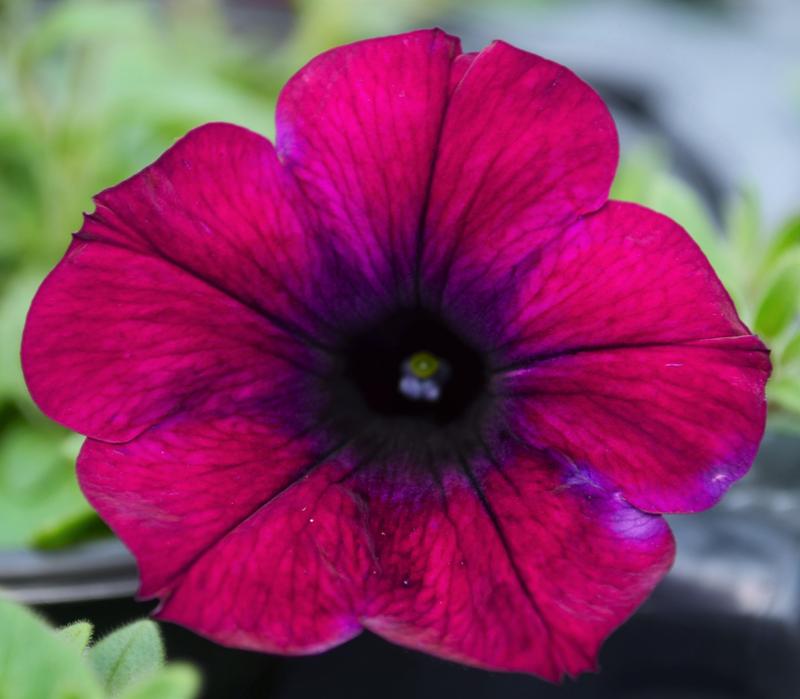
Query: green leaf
x,y
127,656
15,299
38,489
38,663
78,634
791,351
75,528
743,225
785,240
785,392
780,304
175,681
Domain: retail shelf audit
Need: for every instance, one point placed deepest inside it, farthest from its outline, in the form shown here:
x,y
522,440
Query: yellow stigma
x,y
423,365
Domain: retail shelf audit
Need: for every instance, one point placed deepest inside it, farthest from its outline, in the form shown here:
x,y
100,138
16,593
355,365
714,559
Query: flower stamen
x,y
422,377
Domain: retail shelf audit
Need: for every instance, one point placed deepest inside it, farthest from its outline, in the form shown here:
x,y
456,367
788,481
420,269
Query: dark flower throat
x,y
409,377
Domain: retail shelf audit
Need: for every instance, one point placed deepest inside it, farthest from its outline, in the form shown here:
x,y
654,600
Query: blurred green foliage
x,y
92,90
39,662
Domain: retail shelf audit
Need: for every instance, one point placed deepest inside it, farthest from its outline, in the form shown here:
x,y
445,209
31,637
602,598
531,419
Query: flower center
x,y
422,377
410,365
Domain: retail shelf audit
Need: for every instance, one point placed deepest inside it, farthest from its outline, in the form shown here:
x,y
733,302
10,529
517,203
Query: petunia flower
x,y
408,370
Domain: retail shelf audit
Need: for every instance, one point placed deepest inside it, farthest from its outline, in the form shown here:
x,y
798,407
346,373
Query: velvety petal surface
x,y
182,287
358,127
117,340
633,360
220,205
238,527
624,275
526,147
528,568
673,426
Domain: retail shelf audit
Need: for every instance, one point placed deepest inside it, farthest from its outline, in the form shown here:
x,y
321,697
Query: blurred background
x,y
706,94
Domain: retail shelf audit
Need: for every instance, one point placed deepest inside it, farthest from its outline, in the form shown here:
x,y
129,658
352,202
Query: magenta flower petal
x,y
257,548
651,379
116,340
135,322
603,282
527,569
221,207
410,372
675,444
359,126
526,146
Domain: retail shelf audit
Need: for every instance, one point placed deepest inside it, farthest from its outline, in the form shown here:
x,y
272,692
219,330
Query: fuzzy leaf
x,y
36,662
636,174
175,681
78,633
128,656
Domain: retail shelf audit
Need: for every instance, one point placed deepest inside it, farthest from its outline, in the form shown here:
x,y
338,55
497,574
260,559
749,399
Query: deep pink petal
x,y
633,360
525,146
116,340
527,570
219,205
672,426
358,126
622,276
238,527
183,287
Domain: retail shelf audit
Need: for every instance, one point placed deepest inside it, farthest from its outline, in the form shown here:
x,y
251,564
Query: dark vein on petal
x,y
463,216
496,464
235,244
420,237
501,535
691,343
286,326
304,472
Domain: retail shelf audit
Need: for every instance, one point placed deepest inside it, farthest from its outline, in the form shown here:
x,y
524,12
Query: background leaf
x,y
175,681
15,299
38,491
791,352
78,634
38,663
786,240
743,224
785,392
128,656
780,304
74,528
